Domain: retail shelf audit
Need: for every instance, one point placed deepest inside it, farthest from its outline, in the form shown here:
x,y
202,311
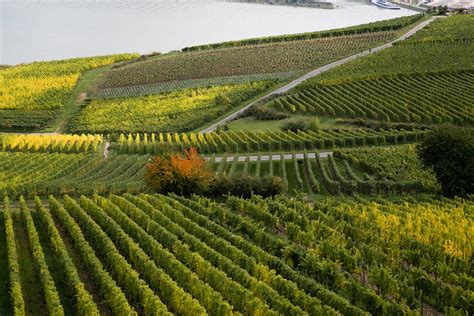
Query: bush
x,y
246,186
450,152
222,128
377,125
222,100
262,113
295,124
182,174
314,124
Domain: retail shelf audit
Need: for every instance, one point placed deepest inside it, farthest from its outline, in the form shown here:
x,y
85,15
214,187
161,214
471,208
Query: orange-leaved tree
x,y
182,173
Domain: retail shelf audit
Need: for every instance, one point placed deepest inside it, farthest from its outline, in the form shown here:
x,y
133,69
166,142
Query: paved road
x,y
267,157
318,71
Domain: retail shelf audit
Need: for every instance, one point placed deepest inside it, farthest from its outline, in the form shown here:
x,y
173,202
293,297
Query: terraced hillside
x,y
242,61
55,96
360,230
50,143
177,111
32,174
392,170
182,91
278,57
378,26
153,254
75,168
33,95
397,98
263,141
427,78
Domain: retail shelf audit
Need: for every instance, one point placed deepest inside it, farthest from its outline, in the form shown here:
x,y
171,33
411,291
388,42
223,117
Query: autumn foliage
x,y
182,173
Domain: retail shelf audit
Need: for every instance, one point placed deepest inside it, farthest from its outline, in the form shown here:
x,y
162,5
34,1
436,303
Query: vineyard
x,y
19,120
28,90
354,162
177,111
426,78
49,143
418,54
379,26
402,98
153,254
346,172
75,174
454,28
396,163
262,141
42,174
155,88
62,164
246,60
422,57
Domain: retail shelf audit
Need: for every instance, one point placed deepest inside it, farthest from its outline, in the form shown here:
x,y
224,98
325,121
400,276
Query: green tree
x,y
450,152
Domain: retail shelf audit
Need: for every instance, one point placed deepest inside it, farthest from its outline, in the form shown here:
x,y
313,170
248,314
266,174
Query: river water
x,y
47,30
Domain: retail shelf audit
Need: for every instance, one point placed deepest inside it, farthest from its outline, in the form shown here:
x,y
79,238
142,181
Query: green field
x,y
72,168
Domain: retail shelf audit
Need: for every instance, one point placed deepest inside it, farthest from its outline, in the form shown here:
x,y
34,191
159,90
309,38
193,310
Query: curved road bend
x,y
317,71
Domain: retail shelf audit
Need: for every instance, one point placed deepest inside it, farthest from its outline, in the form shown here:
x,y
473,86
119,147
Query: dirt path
x,y
106,150
318,71
79,100
264,157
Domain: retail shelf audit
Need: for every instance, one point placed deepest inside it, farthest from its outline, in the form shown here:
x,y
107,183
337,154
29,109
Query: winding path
x,y
318,71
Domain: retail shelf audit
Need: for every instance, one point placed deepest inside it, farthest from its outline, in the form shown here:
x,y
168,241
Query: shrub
x,y
295,124
315,124
222,100
182,173
450,152
377,125
262,113
246,186
222,128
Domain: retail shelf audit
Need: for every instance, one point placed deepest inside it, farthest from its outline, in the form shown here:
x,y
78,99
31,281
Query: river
x,y
47,30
